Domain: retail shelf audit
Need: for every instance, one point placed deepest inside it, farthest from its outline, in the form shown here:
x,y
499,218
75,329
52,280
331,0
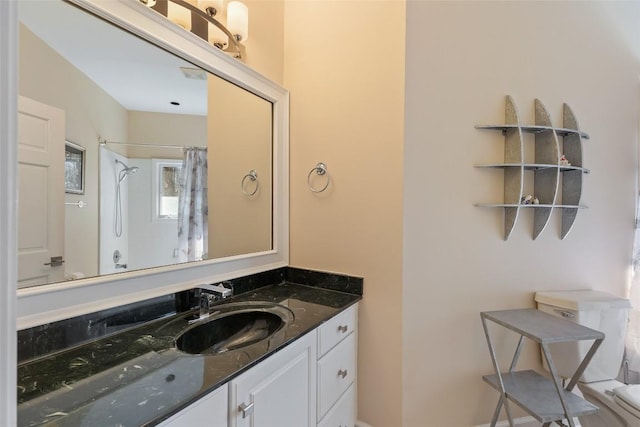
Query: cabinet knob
x,y
246,409
342,373
343,328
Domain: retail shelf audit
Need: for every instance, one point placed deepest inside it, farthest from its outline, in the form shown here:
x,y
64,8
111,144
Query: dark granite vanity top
x,y
137,377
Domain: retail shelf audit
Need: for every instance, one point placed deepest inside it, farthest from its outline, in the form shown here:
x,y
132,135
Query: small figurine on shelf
x,y
564,161
529,200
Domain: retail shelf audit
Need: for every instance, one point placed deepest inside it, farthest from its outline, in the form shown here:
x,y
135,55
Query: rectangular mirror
x,y
183,172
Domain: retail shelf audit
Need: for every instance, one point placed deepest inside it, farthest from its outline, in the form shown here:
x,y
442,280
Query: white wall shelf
x,y
556,185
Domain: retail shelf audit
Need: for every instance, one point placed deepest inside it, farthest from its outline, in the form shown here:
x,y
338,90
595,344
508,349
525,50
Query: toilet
x,y
619,403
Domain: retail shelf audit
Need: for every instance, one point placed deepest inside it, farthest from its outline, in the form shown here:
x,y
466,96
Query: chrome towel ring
x,y
319,169
252,176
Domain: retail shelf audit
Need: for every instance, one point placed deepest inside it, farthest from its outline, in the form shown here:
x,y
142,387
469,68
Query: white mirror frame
x,y
8,209
47,303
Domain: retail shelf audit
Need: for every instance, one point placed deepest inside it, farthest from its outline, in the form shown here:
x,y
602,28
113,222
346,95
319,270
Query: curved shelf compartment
x,y
532,166
530,206
537,129
571,180
513,177
555,185
545,181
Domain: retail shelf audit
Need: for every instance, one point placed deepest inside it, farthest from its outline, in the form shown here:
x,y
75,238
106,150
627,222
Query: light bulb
x,y
238,20
216,36
179,15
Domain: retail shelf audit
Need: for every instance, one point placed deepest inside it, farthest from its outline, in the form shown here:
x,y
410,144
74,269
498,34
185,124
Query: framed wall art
x,y
74,165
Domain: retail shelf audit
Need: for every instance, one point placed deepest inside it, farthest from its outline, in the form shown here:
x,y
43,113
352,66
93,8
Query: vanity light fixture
x,y
204,19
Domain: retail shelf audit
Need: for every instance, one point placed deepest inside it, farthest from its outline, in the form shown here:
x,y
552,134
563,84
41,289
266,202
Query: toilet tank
x,y
596,310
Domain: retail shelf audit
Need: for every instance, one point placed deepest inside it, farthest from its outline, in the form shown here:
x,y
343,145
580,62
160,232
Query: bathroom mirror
x,y
178,161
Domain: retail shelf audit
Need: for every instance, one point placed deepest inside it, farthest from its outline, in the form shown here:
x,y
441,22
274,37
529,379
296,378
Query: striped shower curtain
x,y
633,332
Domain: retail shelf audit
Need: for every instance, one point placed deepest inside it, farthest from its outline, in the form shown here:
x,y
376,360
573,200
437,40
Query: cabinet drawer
x,y
343,414
336,372
336,329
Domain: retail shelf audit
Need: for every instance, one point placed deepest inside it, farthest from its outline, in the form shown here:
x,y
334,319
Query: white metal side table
x,y
544,399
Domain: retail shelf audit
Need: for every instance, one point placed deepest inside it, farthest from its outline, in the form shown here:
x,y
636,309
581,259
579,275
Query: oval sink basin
x,y
232,330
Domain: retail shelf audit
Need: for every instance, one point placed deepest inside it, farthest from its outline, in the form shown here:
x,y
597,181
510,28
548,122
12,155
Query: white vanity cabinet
x,y
210,411
310,382
337,343
280,391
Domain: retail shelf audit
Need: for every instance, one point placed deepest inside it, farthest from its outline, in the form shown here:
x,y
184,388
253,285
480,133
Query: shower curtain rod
x,y
103,142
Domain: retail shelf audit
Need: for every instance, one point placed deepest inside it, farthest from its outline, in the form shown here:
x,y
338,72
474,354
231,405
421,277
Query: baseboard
x,y
362,424
520,422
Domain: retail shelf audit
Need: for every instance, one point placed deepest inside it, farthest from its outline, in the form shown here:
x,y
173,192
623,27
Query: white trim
x,y
8,209
91,297
48,303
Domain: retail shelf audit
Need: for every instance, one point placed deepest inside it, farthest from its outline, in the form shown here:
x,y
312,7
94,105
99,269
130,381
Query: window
x,y
166,189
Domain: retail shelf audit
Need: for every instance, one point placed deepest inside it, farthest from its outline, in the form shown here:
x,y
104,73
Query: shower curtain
x,y
633,333
193,207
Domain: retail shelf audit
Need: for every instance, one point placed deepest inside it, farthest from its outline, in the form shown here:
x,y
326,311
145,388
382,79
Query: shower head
x,y
126,170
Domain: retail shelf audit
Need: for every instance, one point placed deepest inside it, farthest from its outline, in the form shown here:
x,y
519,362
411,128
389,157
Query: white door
x,y
280,391
41,136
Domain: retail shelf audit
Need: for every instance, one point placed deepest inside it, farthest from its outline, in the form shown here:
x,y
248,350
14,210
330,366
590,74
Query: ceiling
x,y
138,75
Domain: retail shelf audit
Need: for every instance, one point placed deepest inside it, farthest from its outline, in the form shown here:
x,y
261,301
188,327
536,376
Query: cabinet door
x,y
343,413
279,391
210,411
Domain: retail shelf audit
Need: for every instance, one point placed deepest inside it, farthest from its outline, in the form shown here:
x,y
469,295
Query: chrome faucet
x,y
210,294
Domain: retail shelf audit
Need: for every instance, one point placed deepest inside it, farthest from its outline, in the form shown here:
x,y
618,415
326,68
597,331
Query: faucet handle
x,y
228,285
219,290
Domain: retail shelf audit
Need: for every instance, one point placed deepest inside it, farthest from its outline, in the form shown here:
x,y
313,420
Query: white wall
x,y
462,59
164,129
240,141
266,32
344,66
153,242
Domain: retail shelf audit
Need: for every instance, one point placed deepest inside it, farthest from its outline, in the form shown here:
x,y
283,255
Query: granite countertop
x,y
137,377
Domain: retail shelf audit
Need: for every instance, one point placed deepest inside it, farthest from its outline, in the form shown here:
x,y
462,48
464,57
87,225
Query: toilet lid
x,y
629,398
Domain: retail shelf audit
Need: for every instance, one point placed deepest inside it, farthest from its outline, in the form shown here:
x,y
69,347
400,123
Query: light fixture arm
x,y
208,17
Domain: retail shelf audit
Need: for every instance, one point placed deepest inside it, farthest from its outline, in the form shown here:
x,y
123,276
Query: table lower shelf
x,y
537,395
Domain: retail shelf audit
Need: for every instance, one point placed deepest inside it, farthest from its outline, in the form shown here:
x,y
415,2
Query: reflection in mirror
x,y
168,183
